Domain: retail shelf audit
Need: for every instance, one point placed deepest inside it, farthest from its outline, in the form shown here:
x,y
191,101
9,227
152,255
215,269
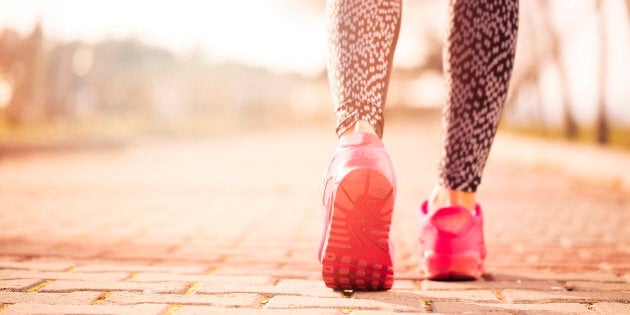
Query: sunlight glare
x,y
82,62
255,32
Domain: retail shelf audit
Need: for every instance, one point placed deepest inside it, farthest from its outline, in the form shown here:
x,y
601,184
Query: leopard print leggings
x,y
478,60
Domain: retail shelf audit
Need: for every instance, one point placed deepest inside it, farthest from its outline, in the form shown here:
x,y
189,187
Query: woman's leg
x,y
478,61
362,39
359,186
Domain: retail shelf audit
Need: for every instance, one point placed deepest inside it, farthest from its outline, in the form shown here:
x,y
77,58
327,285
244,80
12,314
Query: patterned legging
x,y
478,60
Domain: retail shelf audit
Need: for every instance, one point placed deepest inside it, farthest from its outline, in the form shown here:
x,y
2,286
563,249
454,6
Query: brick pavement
x,y
231,225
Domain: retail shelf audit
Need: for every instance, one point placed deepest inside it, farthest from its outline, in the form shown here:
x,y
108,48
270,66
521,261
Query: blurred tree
x,y
547,49
9,42
29,72
601,124
125,73
570,125
61,81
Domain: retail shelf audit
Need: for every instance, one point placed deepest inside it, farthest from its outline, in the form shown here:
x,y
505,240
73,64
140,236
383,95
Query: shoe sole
x,y
466,266
357,254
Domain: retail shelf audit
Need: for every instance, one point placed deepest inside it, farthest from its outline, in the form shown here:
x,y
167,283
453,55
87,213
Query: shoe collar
x,y
425,209
360,138
453,220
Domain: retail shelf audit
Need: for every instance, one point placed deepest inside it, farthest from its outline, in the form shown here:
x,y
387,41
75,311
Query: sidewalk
x,y
231,225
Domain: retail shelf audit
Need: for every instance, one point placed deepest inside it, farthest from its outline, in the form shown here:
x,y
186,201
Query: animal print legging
x,y
478,60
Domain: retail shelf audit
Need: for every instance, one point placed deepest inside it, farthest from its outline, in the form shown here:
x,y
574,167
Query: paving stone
x,y
74,250
148,253
302,283
411,275
217,288
18,283
525,275
498,308
489,285
48,298
531,296
203,310
77,285
434,295
613,308
300,302
178,269
25,249
597,286
49,266
70,308
7,258
261,256
404,285
225,300
374,312
88,276
161,277
280,272
49,248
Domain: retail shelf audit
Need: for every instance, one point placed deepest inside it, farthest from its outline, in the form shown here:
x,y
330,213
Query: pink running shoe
x,y
451,243
359,191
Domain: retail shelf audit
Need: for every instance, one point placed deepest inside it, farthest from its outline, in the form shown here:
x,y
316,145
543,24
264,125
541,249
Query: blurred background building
x,y
121,68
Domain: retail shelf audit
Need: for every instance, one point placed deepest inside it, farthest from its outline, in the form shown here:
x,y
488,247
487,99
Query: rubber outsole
x,y
465,266
357,252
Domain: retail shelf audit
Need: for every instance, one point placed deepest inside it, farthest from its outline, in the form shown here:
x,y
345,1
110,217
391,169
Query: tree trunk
x,y
552,52
601,124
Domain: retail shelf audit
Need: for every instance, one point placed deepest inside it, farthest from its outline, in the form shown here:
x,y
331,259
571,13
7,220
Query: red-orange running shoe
x,y
359,190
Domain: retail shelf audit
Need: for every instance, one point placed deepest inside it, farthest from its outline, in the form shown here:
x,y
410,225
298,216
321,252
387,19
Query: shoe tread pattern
x,y
357,255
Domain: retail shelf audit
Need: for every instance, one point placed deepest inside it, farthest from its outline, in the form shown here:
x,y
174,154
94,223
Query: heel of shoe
x,y
452,220
357,254
463,266
346,272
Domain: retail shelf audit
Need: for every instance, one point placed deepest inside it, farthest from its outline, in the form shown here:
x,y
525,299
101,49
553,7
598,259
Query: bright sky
x,y
260,32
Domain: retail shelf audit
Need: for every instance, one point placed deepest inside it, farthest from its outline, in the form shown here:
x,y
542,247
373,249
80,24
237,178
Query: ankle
x,y
360,126
444,197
